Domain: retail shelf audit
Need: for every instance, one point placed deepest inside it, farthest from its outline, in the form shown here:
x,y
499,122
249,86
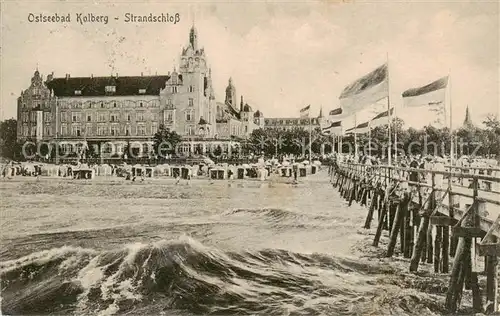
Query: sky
x,y
281,56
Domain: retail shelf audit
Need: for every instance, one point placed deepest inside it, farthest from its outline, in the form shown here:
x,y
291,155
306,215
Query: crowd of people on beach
x,y
262,169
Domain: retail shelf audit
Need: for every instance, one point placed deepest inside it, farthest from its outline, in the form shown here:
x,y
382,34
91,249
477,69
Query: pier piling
x,y
419,216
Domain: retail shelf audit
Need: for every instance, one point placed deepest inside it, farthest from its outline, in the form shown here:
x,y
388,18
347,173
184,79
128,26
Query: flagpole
x,y
395,138
310,131
355,137
446,113
452,150
389,110
341,139
369,140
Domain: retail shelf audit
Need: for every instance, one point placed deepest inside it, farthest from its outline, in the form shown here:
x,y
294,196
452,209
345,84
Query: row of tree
x,y
428,140
469,140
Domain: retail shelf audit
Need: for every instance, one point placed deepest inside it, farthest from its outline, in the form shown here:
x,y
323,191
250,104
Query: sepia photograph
x,y
249,157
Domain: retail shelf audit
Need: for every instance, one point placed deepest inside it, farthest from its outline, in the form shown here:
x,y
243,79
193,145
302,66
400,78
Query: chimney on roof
x,y
169,73
142,74
67,76
91,75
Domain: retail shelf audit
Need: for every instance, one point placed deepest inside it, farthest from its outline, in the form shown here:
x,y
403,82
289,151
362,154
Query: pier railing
x,y
448,211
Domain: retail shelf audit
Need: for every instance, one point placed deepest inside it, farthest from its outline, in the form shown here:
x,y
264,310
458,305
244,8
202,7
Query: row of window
x,y
188,116
46,117
110,90
76,104
105,130
106,148
103,104
291,121
31,131
107,117
175,89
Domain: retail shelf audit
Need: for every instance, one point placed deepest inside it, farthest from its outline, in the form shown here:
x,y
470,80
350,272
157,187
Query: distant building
x,y
291,123
125,109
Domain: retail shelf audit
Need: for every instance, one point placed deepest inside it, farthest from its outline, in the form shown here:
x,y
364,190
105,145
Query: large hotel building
x,y
75,111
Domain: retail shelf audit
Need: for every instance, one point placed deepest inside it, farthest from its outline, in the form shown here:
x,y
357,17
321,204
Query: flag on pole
x,y
334,128
432,95
381,119
337,114
304,112
359,129
366,90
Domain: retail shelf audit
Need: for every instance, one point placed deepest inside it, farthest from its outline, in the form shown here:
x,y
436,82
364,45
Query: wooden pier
x,y
446,218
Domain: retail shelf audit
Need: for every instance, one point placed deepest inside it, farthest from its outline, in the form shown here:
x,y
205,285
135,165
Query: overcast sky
x,y
281,56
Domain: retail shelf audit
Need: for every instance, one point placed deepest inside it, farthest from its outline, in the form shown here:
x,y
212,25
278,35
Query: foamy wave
x,y
185,274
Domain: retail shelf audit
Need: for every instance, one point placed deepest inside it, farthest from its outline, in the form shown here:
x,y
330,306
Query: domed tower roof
x,y
247,108
258,114
230,84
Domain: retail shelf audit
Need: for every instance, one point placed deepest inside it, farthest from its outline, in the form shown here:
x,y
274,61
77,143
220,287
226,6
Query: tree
x,y
8,143
217,151
165,141
490,137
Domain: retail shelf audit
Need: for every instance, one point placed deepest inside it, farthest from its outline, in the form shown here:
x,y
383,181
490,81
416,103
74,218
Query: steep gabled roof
x,y
96,86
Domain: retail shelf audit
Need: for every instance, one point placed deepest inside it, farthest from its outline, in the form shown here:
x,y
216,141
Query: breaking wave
x,y
185,277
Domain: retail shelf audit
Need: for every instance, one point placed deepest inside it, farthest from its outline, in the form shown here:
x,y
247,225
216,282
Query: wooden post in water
x,y
419,247
419,250
477,301
380,226
492,281
402,230
395,229
437,249
456,284
462,264
408,228
352,193
371,210
430,246
453,201
445,248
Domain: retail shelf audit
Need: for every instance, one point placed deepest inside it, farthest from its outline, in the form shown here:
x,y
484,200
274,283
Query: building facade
x,y
292,123
124,109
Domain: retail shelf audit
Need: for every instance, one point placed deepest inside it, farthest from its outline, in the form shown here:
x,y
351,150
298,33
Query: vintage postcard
x,y
249,158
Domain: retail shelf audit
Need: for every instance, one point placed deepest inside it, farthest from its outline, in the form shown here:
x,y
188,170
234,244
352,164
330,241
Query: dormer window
x,y
110,89
78,92
142,91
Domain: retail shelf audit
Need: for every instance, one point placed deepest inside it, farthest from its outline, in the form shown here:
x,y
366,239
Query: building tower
x,y
231,94
193,38
467,120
